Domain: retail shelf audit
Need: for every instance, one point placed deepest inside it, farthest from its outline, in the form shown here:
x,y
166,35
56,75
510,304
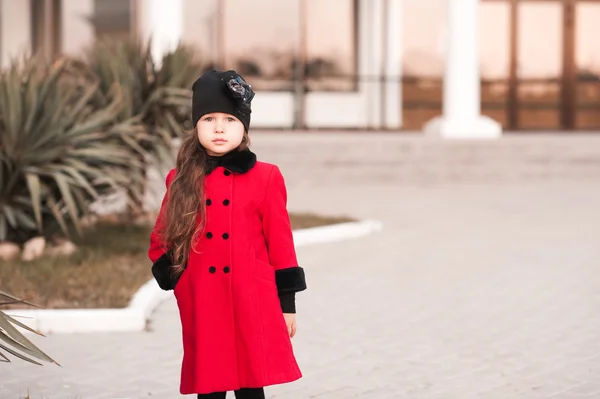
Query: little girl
x,y
223,242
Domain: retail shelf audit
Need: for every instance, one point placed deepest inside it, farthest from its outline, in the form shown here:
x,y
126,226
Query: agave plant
x,y
174,78
156,96
58,150
13,341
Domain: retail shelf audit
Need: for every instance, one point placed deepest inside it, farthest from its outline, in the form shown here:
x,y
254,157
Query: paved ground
x,y
478,289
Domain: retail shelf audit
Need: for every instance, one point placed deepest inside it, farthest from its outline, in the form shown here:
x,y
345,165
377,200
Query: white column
x,y
462,99
393,65
161,20
374,53
382,31
15,31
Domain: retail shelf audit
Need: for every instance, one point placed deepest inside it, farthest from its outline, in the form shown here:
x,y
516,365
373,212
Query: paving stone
x,y
473,289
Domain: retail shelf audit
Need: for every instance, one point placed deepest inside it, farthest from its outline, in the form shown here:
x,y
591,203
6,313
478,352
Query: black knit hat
x,y
225,92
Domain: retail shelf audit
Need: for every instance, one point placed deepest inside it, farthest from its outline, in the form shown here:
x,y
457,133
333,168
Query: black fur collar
x,y
234,161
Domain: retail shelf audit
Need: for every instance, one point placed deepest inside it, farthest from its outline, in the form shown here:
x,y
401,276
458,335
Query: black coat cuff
x,y
288,302
163,272
291,279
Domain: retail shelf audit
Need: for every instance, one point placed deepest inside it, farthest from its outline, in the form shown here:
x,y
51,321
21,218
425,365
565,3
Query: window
x,y
587,66
260,39
331,43
423,36
113,18
494,59
265,40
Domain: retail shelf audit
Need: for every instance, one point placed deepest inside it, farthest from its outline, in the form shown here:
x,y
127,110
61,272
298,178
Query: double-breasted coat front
x,y
233,330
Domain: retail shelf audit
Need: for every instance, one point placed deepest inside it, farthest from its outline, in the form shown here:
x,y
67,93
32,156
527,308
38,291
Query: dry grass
x,y
110,266
307,220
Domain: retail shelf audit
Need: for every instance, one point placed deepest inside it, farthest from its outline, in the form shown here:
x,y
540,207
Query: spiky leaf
x,y
13,340
58,149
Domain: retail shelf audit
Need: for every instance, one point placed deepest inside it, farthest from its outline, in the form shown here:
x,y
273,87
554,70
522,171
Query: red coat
x,y
234,333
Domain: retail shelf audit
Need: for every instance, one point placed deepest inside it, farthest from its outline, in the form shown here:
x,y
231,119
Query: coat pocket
x,y
264,271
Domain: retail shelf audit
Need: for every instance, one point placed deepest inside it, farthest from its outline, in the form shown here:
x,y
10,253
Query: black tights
x,y
244,393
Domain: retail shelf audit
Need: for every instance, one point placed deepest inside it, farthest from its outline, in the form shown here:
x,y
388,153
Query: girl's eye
x,y
208,118
230,119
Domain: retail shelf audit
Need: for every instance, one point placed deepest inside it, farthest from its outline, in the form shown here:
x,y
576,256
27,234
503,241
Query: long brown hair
x,y
185,215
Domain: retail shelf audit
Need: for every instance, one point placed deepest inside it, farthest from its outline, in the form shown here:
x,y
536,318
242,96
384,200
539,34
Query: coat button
x,y
226,202
226,172
226,269
208,202
225,236
209,235
212,269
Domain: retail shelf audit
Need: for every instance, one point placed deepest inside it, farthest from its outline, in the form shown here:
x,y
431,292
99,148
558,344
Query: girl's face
x,y
219,133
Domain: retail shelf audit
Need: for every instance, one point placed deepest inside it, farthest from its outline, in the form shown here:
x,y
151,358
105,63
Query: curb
x,y
149,296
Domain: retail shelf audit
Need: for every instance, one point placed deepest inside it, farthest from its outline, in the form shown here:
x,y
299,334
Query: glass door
x,y
495,60
539,64
587,65
423,34
550,79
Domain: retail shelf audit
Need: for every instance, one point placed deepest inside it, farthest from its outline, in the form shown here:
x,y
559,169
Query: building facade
x,y
454,67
